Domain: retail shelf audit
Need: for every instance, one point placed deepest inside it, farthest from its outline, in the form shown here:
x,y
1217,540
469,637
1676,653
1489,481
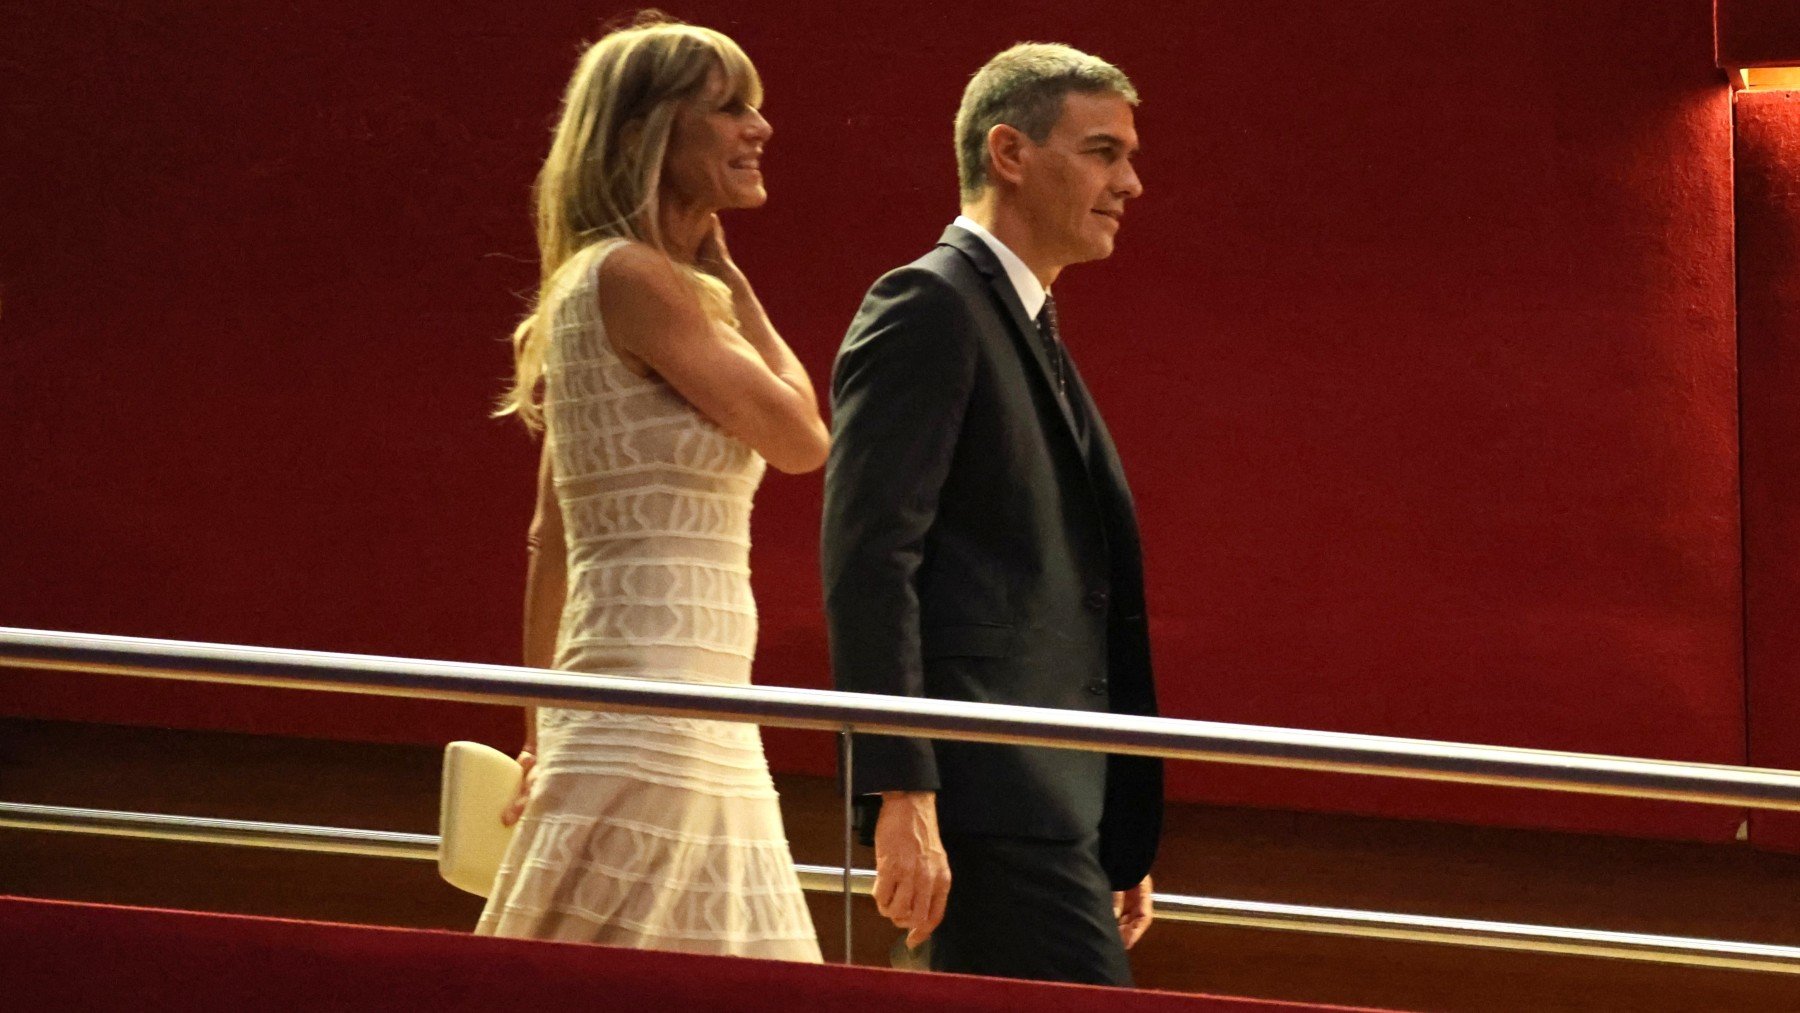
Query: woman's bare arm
x,y
546,575
761,397
546,585
753,320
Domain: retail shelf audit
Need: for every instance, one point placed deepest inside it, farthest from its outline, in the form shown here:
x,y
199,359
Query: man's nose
x,y
1128,184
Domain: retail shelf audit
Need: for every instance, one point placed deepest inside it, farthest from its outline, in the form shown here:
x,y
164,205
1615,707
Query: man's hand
x,y
912,873
1133,909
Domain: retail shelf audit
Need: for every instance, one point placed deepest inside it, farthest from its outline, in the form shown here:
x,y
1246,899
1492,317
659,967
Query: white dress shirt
x,y
1031,291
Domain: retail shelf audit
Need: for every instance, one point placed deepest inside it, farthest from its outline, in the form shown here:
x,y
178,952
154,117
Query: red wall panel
x,y
1768,202
1419,351
155,959
1758,33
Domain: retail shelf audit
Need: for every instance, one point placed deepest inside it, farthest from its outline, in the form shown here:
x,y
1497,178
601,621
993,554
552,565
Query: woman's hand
x,y
714,257
527,780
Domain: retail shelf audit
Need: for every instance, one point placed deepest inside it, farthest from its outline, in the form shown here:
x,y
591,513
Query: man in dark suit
x,y
980,544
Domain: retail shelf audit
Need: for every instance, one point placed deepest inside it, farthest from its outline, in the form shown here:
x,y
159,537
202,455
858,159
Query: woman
x,y
664,391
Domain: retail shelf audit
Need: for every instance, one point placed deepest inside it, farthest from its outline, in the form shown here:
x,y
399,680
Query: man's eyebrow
x,y
1117,142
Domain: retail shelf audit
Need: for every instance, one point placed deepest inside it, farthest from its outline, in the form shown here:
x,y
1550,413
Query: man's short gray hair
x,y
1024,88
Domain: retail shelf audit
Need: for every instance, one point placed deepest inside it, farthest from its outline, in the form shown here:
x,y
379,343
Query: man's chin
x,y
1099,249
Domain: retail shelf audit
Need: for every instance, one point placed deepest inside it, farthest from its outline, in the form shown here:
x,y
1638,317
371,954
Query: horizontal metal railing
x,y
1207,741
208,830
823,878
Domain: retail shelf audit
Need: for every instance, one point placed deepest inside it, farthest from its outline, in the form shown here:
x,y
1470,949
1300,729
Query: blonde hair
x,y
602,179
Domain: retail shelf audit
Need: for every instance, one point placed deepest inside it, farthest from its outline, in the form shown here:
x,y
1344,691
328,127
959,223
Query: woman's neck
x,y
683,228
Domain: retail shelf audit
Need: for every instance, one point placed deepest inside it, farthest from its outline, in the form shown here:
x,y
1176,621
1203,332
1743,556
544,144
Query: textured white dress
x,y
648,831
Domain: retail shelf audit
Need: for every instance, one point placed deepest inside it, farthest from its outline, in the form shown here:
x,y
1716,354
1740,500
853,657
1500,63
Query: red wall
x,y
1767,163
1420,352
1757,33
187,960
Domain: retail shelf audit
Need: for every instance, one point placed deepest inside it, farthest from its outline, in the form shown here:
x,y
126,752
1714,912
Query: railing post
x,y
847,767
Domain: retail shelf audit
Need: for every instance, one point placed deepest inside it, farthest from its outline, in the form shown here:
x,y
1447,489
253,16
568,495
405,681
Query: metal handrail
x,y
1683,950
1209,741
210,830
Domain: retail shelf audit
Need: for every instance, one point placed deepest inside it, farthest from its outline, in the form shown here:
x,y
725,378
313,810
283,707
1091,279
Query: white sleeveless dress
x,y
647,831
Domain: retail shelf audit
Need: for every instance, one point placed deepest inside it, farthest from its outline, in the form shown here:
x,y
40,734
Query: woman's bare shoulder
x,y
636,272
645,301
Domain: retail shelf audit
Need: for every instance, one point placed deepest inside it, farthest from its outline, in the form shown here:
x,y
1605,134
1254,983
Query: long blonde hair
x,y
602,179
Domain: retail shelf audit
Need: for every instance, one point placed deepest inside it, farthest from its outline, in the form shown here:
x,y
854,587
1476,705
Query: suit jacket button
x,y
1096,600
1097,687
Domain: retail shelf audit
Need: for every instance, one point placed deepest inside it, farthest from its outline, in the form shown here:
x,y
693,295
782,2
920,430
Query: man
x,y
980,544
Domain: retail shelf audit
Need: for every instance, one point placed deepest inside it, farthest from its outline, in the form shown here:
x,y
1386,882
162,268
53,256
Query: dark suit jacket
x,y
974,551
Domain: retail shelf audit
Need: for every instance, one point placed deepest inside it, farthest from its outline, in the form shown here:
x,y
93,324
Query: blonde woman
x,y
664,389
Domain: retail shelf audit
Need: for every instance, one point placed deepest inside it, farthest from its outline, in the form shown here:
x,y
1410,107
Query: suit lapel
x,y
1105,469
1100,465
1025,331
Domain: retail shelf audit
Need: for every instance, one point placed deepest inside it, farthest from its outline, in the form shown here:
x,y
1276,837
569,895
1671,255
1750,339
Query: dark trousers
x,y
1024,908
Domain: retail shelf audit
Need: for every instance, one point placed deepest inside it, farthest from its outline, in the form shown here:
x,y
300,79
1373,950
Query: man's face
x,y
1075,185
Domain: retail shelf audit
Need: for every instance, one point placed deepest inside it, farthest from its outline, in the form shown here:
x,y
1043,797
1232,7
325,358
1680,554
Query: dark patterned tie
x,y
1053,346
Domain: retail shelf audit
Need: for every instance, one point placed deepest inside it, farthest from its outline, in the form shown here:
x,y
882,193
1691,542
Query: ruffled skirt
x,y
662,833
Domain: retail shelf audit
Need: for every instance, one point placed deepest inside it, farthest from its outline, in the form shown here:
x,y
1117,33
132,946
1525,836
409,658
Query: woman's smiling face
x,y
714,162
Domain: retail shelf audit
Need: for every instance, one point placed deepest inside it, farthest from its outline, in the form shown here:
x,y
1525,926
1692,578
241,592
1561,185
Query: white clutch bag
x,y
479,781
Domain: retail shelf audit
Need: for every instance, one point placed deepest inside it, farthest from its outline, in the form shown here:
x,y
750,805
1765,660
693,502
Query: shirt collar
x,y
1031,291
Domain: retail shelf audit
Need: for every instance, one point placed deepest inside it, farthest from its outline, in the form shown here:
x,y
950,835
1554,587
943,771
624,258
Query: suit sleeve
x,y
898,394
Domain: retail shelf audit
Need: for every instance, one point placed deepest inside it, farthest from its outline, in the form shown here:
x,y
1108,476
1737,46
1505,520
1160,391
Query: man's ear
x,y
1006,153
